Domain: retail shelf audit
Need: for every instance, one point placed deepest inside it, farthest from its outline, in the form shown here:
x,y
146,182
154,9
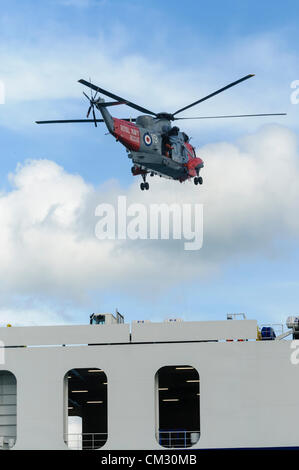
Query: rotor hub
x,y
165,115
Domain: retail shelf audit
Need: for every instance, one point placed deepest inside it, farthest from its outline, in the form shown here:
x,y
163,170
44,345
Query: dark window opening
x,y
86,408
8,410
178,406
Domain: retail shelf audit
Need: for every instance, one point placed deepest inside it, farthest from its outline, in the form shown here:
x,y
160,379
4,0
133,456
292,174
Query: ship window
x,y
177,406
8,409
85,392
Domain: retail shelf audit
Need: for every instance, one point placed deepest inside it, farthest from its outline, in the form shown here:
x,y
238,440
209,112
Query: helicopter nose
x,y
200,163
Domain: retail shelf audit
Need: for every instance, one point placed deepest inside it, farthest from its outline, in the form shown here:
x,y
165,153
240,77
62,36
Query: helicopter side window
x,y
166,145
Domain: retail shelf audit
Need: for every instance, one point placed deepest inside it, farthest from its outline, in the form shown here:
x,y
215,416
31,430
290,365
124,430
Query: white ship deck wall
x,y
248,390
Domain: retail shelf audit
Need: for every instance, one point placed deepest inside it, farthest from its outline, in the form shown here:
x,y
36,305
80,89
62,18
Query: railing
x,y
178,439
7,442
170,439
86,440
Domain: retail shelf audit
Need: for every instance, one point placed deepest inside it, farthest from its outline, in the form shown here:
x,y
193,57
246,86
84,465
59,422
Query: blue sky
x,y
162,55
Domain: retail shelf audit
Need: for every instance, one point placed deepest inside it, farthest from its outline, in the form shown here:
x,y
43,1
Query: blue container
x,y
267,332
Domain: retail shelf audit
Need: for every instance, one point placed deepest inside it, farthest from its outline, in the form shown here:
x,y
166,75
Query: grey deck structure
x,y
248,389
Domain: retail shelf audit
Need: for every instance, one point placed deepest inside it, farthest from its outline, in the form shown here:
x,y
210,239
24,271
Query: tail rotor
x,y
92,101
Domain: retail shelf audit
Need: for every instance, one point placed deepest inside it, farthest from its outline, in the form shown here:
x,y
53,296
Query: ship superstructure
x,y
174,384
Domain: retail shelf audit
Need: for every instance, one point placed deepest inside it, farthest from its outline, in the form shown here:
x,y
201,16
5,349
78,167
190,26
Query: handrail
x,y
178,438
7,442
86,440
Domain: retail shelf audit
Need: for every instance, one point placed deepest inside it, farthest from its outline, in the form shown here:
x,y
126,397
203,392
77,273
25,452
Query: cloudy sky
x,y
162,55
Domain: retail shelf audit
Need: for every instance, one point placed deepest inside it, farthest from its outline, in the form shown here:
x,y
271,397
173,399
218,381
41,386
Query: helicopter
x,y
152,143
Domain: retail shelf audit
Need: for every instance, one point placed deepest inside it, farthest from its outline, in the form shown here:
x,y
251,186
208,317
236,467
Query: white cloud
x,y
29,317
50,68
47,242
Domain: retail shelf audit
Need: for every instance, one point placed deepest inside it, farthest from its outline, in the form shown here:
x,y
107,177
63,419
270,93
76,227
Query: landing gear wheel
x,y
198,180
145,184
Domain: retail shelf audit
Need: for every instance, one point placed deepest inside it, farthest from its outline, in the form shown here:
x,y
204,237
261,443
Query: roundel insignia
x,y
147,139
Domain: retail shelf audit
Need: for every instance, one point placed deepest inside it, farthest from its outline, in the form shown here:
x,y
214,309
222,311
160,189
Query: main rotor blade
x,y
215,93
232,116
115,97
63,121
108,103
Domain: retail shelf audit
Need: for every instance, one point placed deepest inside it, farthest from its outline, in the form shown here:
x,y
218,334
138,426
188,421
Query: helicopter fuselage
x,y
155,147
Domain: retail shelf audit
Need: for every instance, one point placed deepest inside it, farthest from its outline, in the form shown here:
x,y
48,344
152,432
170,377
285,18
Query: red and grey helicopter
x,y
154,145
